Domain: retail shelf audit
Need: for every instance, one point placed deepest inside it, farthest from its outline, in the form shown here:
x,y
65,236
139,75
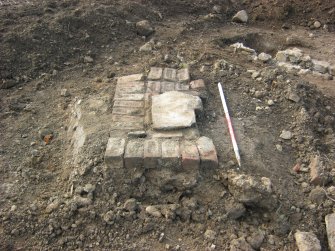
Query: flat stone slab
x,y
174,110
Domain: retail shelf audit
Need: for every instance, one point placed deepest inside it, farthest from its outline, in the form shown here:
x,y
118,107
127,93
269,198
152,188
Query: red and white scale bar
x,y
230,126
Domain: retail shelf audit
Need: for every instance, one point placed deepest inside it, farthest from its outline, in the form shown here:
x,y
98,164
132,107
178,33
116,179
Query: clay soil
x,y
44,46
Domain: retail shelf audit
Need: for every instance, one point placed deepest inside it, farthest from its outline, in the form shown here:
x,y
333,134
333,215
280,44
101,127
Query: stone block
x,y
128,111
114,153
170,74
128,103
170,153
129,97
207,151
155,73
154,87
152,153
307,241
174,110
190,158
182,87
167,86
183,75
198,84
130,87
133,157
130,78
330,227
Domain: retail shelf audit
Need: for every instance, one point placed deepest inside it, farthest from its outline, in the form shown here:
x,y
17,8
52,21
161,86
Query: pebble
x,y
286,135
143,28
317,24
279,148
64,93
210,235
88,59
130,205
146,47
264,57
271,102
153,211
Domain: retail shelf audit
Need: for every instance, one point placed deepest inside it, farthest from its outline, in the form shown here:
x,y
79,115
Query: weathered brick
x,y
155,73
114,153
152,153
126,118
330,227
130,78
170,74
128,111
127,103
182,87
167,86
130,87
127,125
170,153
168,134
129,97
198,84
316,171
190,158
133,157
154,87
207,151
183,75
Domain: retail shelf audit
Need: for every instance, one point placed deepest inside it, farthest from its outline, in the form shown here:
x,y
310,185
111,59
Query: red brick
x,y
183,75
128,111
129,97
190,158
155,73
207,152
198,84
152,153
133,157
130,87
170,74
128,103
114,154
170,153
130,78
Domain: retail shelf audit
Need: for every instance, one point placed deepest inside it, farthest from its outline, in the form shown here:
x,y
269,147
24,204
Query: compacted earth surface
x,y
113,135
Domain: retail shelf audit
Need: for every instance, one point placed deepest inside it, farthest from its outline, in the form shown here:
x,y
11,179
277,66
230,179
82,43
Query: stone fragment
x,y
88,59
317,195
190,158
286,135
256,240
240,244
264,57
147,47
317,24
64,93
293,55
240,17
144,28
152,153
130,78
207,152
317,171
320,66
330,227
114,153
307,241
198,84
155,73
170,153
133,157
153,211
167,86
127,125
293,96
129,97
183,75
251,191
137,134
210,235
170,74
173,110
128,103
130,205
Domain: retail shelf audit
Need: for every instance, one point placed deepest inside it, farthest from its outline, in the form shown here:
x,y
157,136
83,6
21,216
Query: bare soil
x,y
44,46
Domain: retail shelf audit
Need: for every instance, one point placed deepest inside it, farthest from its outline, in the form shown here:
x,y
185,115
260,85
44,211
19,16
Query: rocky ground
x,y
277,71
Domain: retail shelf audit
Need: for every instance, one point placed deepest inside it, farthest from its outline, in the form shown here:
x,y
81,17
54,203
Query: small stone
x,y
317,24
256,240
320,66
307,241
317,195
240,17
153,211
146,47
240,244
144,28
270,102
316,171
88,59
330,227
264,57
130,205
286,135
235,210
279,148
255,74
64,93
210,235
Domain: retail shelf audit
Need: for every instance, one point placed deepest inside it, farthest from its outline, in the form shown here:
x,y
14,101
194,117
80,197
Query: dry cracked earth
x,y
113,134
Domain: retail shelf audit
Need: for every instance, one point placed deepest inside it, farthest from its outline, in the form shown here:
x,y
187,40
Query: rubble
x,y
240,17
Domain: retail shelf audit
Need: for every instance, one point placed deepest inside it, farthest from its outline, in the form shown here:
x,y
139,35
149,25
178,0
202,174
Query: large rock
x,y
174,110
240,17
251,191
307,241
